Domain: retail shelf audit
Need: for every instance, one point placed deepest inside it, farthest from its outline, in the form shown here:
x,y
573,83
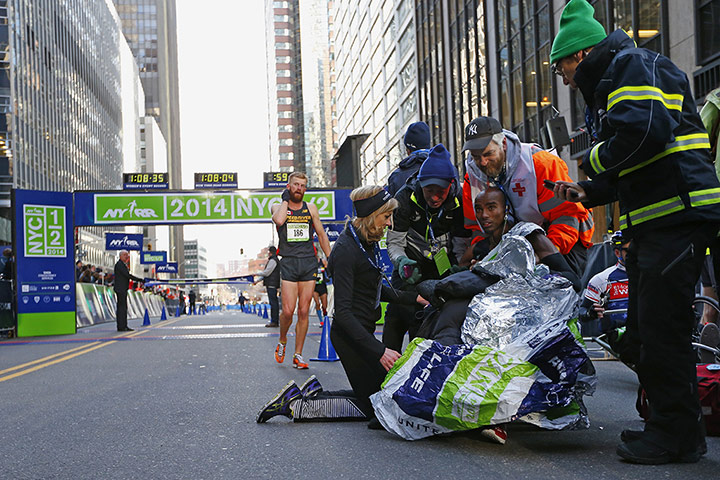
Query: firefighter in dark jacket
x,y
417,145
427,239
651,153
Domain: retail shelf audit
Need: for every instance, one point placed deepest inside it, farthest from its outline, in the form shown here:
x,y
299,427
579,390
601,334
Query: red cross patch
x,y
519,189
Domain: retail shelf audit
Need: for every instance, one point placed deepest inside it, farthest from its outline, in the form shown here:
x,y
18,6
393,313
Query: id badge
x,y
298,232
442,262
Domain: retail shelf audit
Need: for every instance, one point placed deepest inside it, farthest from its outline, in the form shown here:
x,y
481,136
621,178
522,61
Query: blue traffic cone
x,y
163,314
265,316
327,351
146,319
259,311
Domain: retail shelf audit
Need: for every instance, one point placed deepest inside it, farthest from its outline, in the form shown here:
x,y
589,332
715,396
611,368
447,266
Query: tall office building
x,y
195,260
61,91
376,88
285,86
151,31
452,74
318,108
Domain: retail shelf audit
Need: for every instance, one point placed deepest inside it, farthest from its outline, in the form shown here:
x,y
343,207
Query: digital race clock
x,y
216,180
144,181
275,179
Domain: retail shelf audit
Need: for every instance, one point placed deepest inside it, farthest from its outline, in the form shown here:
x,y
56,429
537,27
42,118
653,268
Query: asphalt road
x,y
178,400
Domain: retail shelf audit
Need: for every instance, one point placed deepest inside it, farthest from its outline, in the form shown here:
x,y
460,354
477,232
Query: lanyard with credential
x,y
375,264
433,241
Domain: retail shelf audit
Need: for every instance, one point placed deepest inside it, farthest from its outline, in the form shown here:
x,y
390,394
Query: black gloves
x,y
286,195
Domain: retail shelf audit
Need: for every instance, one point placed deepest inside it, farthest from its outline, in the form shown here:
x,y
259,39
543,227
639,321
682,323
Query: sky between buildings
x,y
223,110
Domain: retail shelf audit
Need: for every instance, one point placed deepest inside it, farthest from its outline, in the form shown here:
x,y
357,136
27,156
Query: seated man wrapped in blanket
x,y
506,348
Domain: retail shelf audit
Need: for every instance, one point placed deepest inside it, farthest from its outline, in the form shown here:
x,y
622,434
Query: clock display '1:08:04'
x,y
216,177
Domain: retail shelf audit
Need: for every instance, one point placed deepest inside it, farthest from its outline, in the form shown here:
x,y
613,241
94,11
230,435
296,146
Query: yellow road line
x,y
49,357
87,349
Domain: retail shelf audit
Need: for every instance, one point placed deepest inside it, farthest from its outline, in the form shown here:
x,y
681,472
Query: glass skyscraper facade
x,y
376,88
452,72
285,85
150,28
60,95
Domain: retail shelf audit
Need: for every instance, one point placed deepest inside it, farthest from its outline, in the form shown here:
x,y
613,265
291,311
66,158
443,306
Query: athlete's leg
x,y
316,301
289,294
304,295
323,301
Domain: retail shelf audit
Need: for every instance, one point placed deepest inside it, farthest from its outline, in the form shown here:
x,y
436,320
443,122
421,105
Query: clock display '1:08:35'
x,y
146,178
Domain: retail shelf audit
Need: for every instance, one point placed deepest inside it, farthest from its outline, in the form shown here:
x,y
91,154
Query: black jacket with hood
x,y
651,151
407,168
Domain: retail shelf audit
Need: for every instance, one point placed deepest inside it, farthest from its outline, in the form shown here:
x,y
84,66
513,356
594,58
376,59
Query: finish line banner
x,y
188,207
202,281
45,270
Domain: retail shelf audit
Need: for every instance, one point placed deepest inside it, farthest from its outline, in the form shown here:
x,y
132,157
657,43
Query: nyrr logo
x,y
125,242
132,210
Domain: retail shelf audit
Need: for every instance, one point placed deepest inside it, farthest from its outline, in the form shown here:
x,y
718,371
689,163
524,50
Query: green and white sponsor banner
x,y
45,272
110,208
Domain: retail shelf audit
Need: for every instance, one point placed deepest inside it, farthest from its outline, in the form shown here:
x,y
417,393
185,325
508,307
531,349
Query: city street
x,y
178,400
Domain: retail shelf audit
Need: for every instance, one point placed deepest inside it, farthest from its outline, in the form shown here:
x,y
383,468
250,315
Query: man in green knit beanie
x,y
650,153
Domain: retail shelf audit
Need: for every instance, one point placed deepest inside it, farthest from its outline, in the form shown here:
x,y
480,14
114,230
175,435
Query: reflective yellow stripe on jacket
x,y
681,143
595,158
671,205
672,101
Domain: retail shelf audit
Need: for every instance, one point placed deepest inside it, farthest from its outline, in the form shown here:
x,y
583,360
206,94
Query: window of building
x,y
286,142
284,101
284,87
644,20
282,46
407,39
283,32
407,74
283,59
283,73
285,128
287,156
281,18
708,30
285,114
281,5
524,40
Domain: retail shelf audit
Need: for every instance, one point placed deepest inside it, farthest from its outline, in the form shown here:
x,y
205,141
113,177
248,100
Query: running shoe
x,y
710,337
496,434
280,404
280,352
311,387
299,362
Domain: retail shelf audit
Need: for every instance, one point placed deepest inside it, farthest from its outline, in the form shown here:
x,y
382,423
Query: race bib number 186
x,y
298,232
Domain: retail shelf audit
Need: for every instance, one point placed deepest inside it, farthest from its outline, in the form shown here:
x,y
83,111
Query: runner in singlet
x,y
296,220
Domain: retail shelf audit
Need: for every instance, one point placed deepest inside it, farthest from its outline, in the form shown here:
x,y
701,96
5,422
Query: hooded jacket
x,y
651,151
527,165
415,225
407,168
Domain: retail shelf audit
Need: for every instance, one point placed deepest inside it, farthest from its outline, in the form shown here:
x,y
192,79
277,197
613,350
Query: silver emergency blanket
x,y
525,298
523,357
